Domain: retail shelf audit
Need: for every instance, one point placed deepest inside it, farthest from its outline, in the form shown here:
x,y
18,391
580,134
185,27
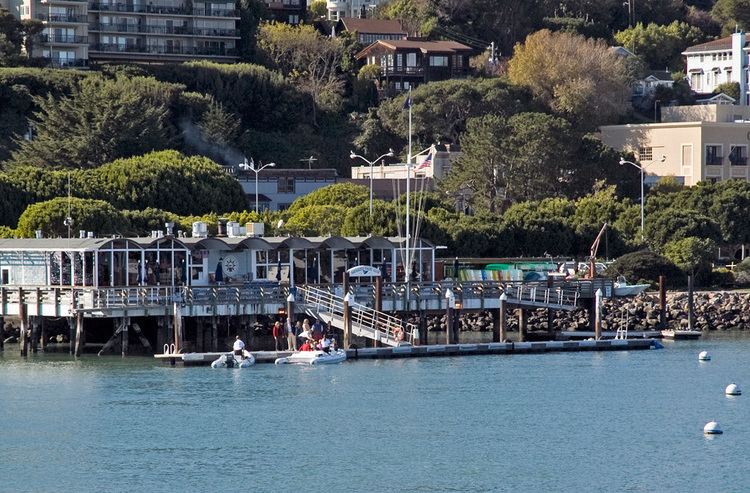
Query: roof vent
x,y
82,233
90,234
38,234
170,228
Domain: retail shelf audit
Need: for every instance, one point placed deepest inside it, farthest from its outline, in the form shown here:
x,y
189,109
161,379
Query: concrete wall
x,y
705,113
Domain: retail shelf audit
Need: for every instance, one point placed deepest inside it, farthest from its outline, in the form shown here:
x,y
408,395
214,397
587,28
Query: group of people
x,y
312,337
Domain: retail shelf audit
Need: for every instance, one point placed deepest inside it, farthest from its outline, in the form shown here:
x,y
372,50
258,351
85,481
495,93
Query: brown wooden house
x,y
406,63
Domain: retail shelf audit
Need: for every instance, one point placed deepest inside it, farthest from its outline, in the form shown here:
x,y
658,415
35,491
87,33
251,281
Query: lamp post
x,y
251,167
640,167
352,155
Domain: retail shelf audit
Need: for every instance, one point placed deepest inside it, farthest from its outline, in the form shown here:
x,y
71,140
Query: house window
x,y
713,155
646,154
399,61
293,19
438,61
285,185
738,155
411,59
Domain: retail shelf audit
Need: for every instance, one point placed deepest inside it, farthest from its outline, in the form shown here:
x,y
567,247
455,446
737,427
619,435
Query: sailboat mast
x,y
407,260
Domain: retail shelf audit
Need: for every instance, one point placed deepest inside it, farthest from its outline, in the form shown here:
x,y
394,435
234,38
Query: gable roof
x,y
373,26
715,45
426,47
658,75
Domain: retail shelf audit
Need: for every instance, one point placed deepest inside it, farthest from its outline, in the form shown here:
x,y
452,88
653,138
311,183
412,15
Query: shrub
x,y
646,266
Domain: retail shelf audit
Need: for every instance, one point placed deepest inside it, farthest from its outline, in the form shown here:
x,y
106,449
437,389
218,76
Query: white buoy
x,y
733,389
704,356
712,428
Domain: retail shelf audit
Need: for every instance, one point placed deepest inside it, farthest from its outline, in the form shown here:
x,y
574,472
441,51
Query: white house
x,y
717,62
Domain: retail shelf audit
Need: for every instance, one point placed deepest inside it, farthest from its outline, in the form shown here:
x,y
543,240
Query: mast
x,y
407,260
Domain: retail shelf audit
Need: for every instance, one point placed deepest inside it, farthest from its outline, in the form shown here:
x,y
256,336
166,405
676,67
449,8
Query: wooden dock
x,y
199,359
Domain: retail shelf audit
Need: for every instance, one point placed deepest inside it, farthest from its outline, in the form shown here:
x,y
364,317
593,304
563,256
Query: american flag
x,y
426,163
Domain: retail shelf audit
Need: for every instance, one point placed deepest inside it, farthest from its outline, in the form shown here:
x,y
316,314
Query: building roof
x,y
373,26
52,244
426,47
297,173
664,75
715,45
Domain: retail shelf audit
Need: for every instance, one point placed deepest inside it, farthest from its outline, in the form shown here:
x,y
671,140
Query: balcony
x,y
738,160
166,30
154,8
391,70
68,63
62,39
164,50
713,160
62,18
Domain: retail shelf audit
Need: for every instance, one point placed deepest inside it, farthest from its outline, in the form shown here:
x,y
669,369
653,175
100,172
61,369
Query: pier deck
x,y
436,350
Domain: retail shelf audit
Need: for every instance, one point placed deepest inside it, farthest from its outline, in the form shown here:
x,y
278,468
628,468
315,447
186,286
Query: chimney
x,y
90,234
221,227
38,234
739,65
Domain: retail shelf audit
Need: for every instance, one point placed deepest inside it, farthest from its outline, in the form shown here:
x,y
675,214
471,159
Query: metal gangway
x,y
365,321
540,296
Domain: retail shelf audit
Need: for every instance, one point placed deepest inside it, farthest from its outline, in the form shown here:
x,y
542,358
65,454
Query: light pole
x,y
640,167
352,155
251,167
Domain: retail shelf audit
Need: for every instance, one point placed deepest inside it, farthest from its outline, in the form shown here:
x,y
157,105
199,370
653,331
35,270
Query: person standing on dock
x,y
291,338
238,346
277,334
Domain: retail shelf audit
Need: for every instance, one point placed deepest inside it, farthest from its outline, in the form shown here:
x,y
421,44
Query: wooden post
x,y
690,302
598,314
124,323
448,322
177,328
43,338
160,334
2,334
456,325
24,323
72,334
522,322
199,344
503,321
34,334
379,300
550,311
214,334
423,328
662,302
347,322
79,334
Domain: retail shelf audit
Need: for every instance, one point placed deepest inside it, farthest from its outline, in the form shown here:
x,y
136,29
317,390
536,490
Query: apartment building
x,y
717,62
288,11
691,143
77,32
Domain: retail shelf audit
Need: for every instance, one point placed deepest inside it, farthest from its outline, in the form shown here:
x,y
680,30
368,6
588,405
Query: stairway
x,y
366,322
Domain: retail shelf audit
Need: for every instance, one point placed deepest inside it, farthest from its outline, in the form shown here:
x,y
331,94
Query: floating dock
x,y
199,359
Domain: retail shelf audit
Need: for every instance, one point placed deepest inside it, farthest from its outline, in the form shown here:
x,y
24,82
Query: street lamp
x,y
251,167
352,155
640,167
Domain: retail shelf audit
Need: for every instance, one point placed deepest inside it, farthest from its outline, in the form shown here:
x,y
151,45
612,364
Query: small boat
x,y
622,288
313,358
681,334
231,360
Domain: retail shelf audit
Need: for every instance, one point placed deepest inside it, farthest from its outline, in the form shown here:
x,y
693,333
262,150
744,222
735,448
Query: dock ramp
x,y
539,296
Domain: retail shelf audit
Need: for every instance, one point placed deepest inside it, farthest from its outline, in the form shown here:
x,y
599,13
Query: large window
x,y
438,61
285,185
714,155
738,155
646,154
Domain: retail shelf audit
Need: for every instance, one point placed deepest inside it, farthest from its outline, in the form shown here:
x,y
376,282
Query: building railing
x,y
173,30
714,160
163,50
68,63
738,160
80,19
153,8
59,38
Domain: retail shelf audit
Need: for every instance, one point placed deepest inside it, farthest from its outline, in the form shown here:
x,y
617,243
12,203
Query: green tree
x,y
691,254
219,126
91,215
578,78
340,194
676,224
661,45
732,14
731,89
358,221
416,16
316,220
101,121
317,10
252,12
540,228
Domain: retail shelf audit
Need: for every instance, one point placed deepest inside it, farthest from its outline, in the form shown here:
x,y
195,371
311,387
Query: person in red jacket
x,y
277,333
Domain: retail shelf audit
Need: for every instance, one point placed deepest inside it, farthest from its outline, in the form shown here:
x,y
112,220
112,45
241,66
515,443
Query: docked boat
x,y
681,334
231,360
622,288
313,358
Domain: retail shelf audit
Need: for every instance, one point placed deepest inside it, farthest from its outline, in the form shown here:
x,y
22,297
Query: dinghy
x,y
231,360
313,358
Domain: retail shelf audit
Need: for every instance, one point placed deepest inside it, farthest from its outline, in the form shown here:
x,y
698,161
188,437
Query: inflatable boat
x,y
313,358
231,360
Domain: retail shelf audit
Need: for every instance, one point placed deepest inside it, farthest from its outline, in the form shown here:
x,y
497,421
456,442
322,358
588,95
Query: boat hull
x,y
681,334
231,360
313,358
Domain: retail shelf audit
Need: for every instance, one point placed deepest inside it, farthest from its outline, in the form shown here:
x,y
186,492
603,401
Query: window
x,y
438,61
293,19
738,155
713,155
285,185
646,154
411,59
283,206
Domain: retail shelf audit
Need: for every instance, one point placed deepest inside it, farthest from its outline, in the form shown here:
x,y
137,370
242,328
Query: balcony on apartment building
x,y
293,5
164,50
714,160
204,32
155,8
62,18
68,63
63,39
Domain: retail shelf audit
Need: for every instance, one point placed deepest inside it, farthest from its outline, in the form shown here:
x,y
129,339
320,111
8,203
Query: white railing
x,y
565,298
365,321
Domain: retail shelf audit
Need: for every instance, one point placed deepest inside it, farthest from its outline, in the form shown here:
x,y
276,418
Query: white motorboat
x,y
622,288
231,360
313,358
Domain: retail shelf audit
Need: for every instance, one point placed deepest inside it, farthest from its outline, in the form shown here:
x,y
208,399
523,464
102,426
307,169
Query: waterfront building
x,y
717,62
77,32
692,143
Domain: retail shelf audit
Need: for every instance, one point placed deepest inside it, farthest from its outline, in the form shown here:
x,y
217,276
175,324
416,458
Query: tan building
x,y
132,31
692,143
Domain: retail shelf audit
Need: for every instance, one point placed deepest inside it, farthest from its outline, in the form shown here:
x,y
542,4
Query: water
x,y
618,421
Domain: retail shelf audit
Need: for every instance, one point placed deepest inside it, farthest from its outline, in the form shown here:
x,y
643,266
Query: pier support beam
x,y
522,323
199,344
2,334
178,333
141,336
214,334
34,339
691,315
124,323
72,334
662,302
598,314
378,300
24,342
80,336
43,337
161,338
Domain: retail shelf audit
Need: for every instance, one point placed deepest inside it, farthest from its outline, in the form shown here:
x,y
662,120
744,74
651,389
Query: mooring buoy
x,y
704,356
733,389
712,428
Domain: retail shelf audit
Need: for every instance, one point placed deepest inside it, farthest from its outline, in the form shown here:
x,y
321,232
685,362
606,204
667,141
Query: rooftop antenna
x,y
309,161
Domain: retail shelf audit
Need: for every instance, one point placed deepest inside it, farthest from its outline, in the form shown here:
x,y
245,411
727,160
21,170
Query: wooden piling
x,y
72,334
448,322
178,335
34,322
690,303
199,344
456,325
662,302
124,323
522,323
161,336
24,342
379,300
2,334
214,334
79,334
347,323
598,314
43,337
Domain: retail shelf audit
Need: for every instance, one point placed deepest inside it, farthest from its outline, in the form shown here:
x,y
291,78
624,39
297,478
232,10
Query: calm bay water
x,y
620,421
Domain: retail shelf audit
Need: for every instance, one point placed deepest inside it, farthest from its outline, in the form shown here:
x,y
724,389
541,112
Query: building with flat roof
x,y
692,143
78,32
278,188
370,30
